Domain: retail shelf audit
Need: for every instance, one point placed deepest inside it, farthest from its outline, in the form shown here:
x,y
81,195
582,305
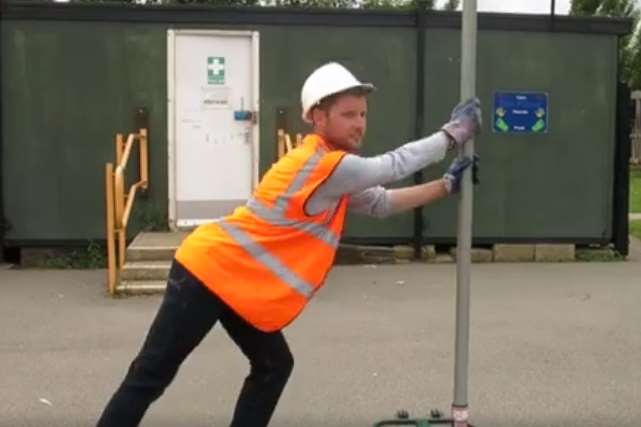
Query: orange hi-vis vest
x,y
268,258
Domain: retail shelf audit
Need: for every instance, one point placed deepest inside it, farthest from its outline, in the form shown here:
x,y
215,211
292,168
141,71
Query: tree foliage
x,y
630,51
451,5
336,4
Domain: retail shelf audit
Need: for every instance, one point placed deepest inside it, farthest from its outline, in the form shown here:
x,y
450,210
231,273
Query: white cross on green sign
x,y
216,70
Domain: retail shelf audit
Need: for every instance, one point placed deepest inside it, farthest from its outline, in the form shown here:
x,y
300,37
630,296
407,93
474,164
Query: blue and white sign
x,y
520,112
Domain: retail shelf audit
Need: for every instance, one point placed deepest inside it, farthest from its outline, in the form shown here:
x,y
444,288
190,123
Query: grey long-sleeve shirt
x,y
362,177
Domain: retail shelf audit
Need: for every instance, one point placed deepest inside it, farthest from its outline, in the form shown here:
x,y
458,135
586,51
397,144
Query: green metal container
x,y
73,75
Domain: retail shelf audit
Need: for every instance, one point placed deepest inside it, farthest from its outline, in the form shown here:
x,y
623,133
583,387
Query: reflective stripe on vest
x,y
276,216
268,260
298,181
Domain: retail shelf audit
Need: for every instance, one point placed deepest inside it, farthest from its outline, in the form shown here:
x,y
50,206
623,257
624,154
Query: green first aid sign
x,y
216,70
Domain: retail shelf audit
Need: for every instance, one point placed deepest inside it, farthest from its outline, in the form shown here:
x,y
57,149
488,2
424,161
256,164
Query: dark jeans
x,y
188,311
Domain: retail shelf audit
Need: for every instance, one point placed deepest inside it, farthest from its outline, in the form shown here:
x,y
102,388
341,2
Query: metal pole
x,y
552,8
460,412
3,223
421,17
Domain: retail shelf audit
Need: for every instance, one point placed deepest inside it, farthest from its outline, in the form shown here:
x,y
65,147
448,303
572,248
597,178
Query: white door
x,y
213,126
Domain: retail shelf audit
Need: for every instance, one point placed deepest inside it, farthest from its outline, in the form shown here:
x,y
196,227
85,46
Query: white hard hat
x,y
327,80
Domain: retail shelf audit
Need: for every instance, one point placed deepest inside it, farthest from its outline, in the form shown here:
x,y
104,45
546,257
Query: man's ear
x,y
319,116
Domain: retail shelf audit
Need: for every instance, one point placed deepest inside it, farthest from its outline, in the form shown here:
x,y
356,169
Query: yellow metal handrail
x,y
119,205
285,144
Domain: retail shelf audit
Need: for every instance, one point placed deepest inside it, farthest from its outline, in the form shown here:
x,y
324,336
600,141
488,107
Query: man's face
x,y
343,125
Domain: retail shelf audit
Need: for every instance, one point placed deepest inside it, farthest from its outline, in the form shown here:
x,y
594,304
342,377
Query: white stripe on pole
x,y
460,412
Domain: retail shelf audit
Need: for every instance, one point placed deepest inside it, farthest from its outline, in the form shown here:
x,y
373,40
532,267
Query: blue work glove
x,y
454,173
465,122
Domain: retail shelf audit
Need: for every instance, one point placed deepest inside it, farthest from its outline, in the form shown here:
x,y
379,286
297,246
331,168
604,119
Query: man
x,y
255,269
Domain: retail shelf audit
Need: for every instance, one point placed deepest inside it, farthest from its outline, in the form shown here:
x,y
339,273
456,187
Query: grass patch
x,y
149,218
635,190
635,228
89,258
598,255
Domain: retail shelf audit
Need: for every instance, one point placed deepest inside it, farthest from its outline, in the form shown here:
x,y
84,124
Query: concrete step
x,y
137,287
150,254
145,270
155,246
148,261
